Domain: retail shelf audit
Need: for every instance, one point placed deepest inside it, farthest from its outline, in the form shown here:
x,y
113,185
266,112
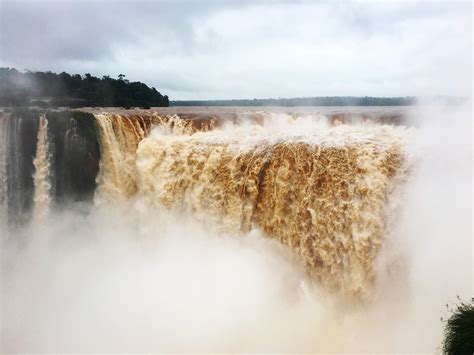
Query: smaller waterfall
x,y
119,137
42,175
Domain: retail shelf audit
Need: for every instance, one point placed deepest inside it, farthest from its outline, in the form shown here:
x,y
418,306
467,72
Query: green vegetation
x,y
47,89
306,101
459,331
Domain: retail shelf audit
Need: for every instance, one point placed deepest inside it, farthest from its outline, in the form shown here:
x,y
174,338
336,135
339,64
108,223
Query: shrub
x,y
459,331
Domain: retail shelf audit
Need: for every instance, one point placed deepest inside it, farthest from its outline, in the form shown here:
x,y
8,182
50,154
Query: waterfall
x,y
119,137
42,175
320,186
317,185
323,191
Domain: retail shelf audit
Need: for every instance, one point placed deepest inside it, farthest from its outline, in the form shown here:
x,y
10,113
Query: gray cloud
x,y
235,49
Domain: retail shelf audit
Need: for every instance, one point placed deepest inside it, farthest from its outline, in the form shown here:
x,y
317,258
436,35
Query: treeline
x,y
305,101
47,89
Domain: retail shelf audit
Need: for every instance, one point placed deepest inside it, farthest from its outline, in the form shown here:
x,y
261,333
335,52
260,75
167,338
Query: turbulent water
x,y
327,189
319,188
42,176
120,136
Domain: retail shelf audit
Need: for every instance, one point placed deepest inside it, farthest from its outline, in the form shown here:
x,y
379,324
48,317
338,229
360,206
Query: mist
x,y
130,278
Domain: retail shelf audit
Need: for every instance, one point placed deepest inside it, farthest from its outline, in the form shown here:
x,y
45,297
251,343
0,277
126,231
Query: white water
x,y
42,175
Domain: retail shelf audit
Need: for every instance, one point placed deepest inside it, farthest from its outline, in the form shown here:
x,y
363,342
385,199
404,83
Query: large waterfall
x,y
256,230
322,190
318,185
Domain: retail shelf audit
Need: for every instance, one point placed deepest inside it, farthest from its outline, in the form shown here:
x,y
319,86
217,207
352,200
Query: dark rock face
x,y
22,130
75,156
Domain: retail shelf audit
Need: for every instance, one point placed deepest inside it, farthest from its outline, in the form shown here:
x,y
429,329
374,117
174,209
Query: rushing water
x,y
42,176
320,188
321,192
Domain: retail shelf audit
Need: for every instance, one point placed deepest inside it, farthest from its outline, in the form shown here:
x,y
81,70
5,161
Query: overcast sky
x,y
246,49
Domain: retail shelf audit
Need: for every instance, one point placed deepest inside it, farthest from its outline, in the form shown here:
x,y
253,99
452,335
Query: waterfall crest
x,y
119,137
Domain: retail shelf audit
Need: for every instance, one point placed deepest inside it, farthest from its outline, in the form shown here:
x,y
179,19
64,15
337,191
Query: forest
x,y
305,101
49,90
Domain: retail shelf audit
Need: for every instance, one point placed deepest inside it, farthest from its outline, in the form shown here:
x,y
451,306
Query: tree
x,y
459,332
22,88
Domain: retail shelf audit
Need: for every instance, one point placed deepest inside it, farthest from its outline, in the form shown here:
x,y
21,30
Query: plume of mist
x,y
130,278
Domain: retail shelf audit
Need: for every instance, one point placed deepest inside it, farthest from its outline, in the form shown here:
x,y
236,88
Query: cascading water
x,y
320,188
45,158
316,185
42,176
200,227
119,137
